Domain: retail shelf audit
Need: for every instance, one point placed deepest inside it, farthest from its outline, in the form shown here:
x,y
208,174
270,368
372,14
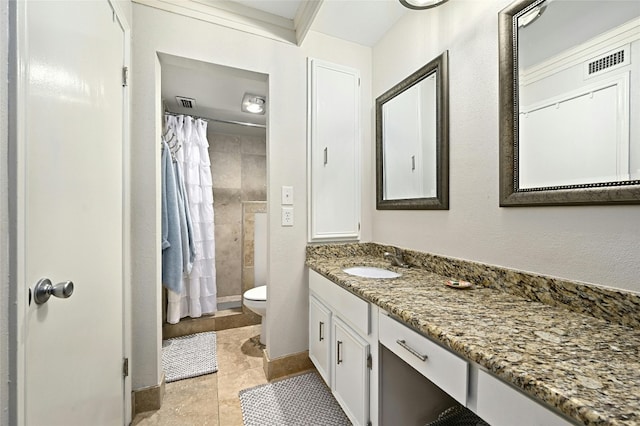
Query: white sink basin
x,y
371,272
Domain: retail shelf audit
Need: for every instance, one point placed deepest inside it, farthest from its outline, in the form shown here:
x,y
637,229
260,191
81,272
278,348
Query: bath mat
x,y
299,400
189,356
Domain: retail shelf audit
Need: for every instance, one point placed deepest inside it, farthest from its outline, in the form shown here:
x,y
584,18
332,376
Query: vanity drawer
x,y
446,370
347,306
501,405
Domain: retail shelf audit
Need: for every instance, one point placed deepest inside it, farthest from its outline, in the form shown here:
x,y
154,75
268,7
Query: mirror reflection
x,y
409,142
412,141
570,102
575,76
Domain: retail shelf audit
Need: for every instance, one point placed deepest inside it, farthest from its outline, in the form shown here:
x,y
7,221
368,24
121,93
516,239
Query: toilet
x,y
255,298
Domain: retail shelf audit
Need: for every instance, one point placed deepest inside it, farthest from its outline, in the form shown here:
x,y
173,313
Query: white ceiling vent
x,y
607,62
185,102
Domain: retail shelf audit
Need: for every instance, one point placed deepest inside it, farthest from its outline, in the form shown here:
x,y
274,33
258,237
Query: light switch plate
x,y
287,216
287,195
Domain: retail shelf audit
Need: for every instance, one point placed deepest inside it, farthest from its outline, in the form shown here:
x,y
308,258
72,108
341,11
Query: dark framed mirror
x,y
412,141
569,103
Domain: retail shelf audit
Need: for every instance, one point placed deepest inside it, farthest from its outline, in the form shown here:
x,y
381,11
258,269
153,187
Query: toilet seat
x,y
258,294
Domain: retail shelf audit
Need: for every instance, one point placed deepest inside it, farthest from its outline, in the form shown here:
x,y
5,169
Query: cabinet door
x,y
334,152
320,337
350,372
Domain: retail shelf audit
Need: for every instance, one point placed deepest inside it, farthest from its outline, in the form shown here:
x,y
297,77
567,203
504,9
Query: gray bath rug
x,y
189,356
296,401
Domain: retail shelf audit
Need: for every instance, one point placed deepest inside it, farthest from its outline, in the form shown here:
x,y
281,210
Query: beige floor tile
x,y
231,384
186,402
230,412
212,400
239,351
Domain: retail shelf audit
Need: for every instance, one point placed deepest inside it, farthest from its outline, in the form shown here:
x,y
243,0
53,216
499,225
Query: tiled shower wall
x,y
249,210
239,171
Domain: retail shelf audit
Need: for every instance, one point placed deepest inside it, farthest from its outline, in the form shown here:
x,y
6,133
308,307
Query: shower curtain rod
x,y
239,123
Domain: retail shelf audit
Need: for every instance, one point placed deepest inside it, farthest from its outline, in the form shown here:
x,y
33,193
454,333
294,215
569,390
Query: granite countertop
x,y
585,367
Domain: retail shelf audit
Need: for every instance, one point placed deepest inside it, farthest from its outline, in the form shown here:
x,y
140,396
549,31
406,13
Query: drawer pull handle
x,y
339,357
321,331
411,350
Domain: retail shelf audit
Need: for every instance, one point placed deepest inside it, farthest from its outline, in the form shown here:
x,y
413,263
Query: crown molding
x,y
305,15
231,15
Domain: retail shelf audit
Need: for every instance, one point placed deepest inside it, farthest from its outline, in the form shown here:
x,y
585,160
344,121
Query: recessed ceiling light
x,y
421,4
254,104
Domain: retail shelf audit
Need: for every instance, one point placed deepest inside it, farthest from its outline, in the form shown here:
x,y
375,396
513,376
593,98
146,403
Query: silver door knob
x,y
44,290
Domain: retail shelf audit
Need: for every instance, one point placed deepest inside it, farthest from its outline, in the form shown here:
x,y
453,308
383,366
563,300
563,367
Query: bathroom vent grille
x,y
186,102
607,62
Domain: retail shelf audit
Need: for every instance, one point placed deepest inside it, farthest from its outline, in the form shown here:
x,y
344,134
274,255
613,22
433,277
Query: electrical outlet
x,y
287,216
287,195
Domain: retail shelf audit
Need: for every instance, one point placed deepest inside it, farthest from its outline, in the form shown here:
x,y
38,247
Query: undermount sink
x,y
371,272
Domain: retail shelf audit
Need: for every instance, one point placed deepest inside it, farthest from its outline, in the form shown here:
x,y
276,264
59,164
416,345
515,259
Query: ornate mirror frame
x,y
440,66
621,192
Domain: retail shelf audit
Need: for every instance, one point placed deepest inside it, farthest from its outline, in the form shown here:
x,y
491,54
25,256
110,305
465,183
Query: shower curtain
x,y
198,289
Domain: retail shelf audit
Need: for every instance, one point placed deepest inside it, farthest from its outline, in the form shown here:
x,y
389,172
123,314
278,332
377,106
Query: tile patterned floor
x,y
213,399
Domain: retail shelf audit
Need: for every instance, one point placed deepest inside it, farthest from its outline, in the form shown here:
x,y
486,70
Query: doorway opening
x,y
238,168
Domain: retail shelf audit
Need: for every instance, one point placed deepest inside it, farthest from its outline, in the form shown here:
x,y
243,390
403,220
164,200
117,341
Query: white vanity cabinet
x,y
320,336
333,152
499,404
382,372
350,372
446,370
342,341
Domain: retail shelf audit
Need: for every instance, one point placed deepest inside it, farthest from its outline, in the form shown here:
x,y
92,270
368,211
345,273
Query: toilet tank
x,y
260,250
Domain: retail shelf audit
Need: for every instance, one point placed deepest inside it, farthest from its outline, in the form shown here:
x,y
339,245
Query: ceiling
x,y
360,21
566,24
218,90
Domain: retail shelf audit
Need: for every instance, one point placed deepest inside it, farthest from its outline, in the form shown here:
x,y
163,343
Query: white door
x,y
70,221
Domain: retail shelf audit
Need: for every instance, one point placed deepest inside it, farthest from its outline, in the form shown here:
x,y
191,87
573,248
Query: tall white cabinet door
x,y
334,152
319,337
350,372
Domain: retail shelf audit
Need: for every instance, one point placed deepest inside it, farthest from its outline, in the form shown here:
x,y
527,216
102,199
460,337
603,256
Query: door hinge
x,y
125,367
369,362
125,76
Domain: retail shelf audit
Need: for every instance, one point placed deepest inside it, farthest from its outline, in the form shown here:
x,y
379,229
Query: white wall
x,y
158,31
597,244
4,218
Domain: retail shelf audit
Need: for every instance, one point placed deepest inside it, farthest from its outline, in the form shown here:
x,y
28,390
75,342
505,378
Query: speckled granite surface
x,y
583,365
